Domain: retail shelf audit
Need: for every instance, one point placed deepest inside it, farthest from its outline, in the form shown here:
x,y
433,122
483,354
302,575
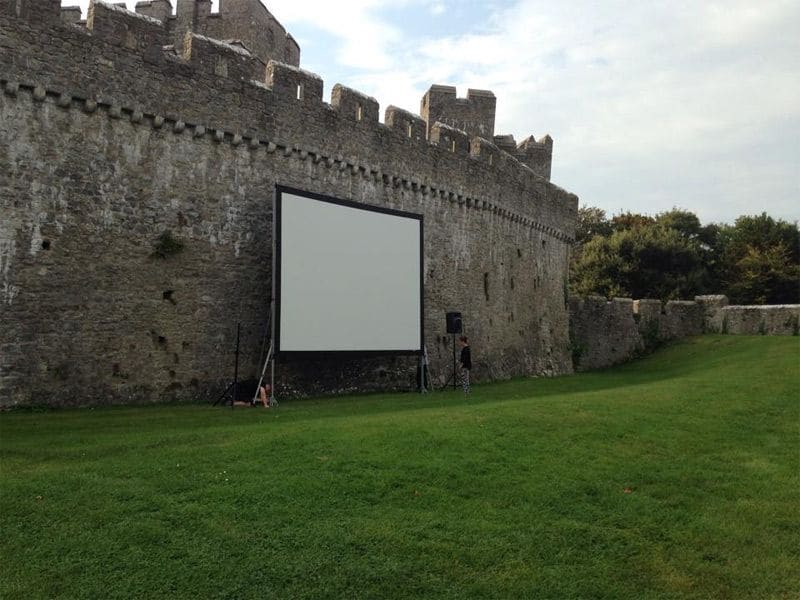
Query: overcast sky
x,y
650,104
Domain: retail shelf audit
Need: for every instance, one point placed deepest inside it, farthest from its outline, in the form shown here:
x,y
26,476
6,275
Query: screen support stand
x,y
271,363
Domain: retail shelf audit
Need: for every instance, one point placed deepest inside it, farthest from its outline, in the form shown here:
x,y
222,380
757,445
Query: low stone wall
x,y
605,333
774,319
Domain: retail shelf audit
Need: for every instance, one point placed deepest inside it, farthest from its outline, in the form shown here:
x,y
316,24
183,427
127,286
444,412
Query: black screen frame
x,y
276,275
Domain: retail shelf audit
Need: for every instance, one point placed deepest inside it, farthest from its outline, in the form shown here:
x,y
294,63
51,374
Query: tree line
x,y
673,256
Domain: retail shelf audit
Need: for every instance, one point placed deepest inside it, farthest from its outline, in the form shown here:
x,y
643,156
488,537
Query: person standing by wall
x,y
466,362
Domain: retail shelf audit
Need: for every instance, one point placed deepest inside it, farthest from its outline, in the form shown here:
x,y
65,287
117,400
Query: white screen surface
x,y
349,278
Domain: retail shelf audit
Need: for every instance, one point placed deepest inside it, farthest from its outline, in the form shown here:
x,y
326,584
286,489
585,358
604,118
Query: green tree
x,y
684,222
757,261
630,220
643,261
592,221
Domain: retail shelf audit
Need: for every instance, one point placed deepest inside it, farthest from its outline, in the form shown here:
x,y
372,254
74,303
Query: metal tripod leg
x,y
263,372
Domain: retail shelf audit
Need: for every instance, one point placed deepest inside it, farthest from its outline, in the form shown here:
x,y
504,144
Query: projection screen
x,y
348,276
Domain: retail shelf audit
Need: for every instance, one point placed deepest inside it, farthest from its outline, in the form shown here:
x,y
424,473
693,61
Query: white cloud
x,y
437,8
365,41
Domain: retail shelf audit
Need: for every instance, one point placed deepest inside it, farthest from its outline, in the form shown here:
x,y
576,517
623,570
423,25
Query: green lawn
x,y
518,491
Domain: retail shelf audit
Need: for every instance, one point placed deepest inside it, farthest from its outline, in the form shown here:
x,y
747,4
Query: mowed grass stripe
x,y
674,476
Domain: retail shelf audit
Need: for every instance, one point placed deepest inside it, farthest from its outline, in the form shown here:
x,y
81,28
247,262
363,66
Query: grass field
x,y
677,476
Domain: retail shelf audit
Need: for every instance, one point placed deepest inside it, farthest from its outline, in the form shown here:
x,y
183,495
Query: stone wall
x,y
776,319
112,141
605,333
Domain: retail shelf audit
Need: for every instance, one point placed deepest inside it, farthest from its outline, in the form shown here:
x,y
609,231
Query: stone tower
x,y
246,22
473,114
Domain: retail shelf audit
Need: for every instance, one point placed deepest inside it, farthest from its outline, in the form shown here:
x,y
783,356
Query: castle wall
x,y
605,333
111,141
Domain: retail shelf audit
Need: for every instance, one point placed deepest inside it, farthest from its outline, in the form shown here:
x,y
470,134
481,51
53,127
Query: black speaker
x,y
454,322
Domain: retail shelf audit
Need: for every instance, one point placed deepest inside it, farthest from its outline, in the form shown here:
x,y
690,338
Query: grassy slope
x,y
515,492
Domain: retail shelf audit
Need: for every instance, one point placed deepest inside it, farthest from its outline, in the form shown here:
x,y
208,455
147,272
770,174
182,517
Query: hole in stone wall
x,y
162,341
300,91
519,253
544,243
410,130
359,112
194,383
45,244
167,295
115,369
512,283
486,285
171,373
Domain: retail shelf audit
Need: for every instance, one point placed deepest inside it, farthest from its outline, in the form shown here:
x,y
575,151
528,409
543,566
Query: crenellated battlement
x,y
157,9
538,155
448,122
248,21
221,59
293,84
118,131
124,28
475,115
201,64
354,105
405,123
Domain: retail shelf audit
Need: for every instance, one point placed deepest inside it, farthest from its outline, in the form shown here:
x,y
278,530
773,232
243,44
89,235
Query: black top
x,y
466,359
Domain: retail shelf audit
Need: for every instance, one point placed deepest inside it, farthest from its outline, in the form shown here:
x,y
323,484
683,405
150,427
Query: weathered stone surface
x,y
91,315
780,319
602,333
246,23
712,304
605,333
